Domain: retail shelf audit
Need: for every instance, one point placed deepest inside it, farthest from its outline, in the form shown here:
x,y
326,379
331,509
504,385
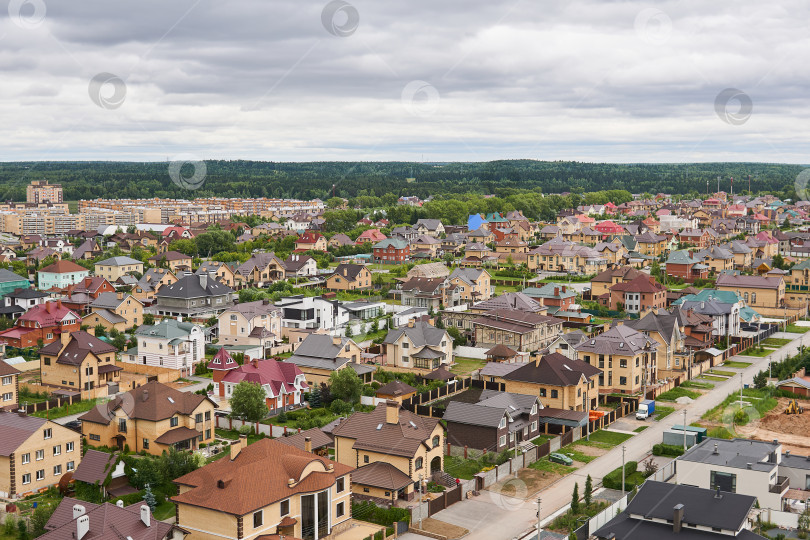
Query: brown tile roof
x,y
7,369
16,429
95,466
381,475
106,521
554,369
153,401
231,486
643,284
80,345
63,266
318,438
395,388
177,434
371,431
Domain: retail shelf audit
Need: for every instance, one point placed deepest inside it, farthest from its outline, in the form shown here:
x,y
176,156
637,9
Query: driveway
x,y
491,515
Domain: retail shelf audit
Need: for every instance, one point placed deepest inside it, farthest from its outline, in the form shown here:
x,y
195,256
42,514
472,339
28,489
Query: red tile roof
x,y
63,267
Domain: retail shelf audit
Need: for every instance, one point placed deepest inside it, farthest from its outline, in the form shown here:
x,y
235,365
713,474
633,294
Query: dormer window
x,y
503,423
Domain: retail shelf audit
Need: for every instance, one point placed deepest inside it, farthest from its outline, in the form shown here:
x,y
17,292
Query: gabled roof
x,y
348,271
118,261
166,329
278,376
642,284
319,351
421,334
621,340
80,345
371,431
192,286
47,314
424,285
95,466
758,282
254,309
63,267
7,276
16,429
170,256
511,300
381,475
396,243
106,521
554,369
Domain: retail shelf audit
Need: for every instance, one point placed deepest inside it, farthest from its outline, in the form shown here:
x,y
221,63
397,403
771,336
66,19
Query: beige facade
x,y
112,272
237,327
91,373
479,291
49,452
573,398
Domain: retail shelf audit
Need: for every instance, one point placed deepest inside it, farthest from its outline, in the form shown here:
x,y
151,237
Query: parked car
x,y
75,425
560,458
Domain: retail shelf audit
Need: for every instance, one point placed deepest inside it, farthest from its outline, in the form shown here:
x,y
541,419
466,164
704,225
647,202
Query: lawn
x,y
676,393
663,412
233,435
464,366
736,364
458,467
753,351
303,418
642,428
793,329
66,410
545,465
164,510
609,437
775,342
542,439
697,384
722,373
711,378
760,400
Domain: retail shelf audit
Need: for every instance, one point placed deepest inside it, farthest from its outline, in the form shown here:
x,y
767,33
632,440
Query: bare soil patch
x,y
443,528
527,483
590,450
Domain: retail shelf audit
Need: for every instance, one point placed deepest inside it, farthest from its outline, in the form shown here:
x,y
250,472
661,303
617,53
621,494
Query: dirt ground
x,y
443,528
790,429
527,483
590,450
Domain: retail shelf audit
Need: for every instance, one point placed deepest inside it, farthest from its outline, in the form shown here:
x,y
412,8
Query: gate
x,y
436,505
401,527
567,438
452,496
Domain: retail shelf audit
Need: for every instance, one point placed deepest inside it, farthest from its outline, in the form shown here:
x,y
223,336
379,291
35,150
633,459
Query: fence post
x,y
230,422
465,450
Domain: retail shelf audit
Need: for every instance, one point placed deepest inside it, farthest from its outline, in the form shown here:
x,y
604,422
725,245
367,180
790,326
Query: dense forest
x,y
86,180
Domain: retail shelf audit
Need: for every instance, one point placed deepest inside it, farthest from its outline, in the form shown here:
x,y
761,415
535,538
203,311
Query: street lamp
x,y
538,517
420,502
623,450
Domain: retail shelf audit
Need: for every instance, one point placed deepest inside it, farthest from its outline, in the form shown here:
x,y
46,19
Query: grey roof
x,y
118,261
420,334
430,224
707,307
734,453
8,275
681,257
795,462
167,328
468,275
109,315
551,290
254,309
473,414
106,521
554,369
515,403
511,300
661,321
618,340
795,380
191,287
499,369
319,351
108,300
760,282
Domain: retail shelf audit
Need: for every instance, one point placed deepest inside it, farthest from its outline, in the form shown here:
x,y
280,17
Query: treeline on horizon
x,y
307,180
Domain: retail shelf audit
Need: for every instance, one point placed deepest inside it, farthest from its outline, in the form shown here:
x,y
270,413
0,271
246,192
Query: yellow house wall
x,y
60,436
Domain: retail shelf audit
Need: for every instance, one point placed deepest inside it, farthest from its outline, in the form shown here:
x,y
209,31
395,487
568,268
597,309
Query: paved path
x,y
492,516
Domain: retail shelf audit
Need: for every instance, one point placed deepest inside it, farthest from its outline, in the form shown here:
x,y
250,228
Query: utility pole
x,y
538,517
420,503
684,431
623,449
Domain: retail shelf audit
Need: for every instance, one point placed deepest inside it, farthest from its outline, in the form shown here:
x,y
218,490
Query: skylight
x,y
379,427
170,399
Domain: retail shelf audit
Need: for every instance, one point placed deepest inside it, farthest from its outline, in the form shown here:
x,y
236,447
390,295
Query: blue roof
x,y
474,222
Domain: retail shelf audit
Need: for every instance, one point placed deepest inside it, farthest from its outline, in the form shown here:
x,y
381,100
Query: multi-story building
x,y
431,293
115,267
79,361
61,275
193,296
35,453
519,330
151,418
40,191
498,422
471,284
349,277
626,357
9,386
641,294
391,251
757,291
171,344
117,310
251,323
558,381
312,312
41,323
300,495
419,345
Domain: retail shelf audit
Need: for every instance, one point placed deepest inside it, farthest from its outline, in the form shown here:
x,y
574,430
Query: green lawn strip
x,y
759,400
756,352
543,464
465,366
722,373
700,385
640,429
67,410
572,452
663,412
736,364
542,439
711,378
164,510
233,435
609,437
775,342
677,392
793,329
458,467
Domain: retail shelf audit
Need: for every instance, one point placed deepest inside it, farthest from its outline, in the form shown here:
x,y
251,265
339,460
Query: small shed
x,y
501,353
396,391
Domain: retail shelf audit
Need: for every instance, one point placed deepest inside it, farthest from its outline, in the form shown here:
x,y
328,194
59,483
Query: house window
x,y
534,426
258,518
418,463
7,380
40,455
623,363
542,392
47,433
365,459
435,441
340,509
502,424
41,474
340,485
70,466
69,447
94,437
57,470
198,417
502,440
285,506
554,394
8,396
622,381
723,481
57,450
26,458
174,421
146,443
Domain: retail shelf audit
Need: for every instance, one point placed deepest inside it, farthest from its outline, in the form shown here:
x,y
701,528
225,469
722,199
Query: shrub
x,y
667,450
613,479
245,430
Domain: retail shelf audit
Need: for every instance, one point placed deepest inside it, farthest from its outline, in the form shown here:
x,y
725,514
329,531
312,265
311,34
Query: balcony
x,y
780,486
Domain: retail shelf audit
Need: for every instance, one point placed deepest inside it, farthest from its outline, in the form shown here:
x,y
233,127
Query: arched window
x,y
418,464
435,441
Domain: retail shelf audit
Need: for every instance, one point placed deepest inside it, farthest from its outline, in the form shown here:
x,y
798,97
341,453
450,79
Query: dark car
x,y
75,425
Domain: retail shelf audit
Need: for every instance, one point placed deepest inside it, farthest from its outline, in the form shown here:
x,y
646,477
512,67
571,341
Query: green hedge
x,y
613,479
667,450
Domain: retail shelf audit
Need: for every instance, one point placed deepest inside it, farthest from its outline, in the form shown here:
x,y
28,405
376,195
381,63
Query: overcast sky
x,y
291,80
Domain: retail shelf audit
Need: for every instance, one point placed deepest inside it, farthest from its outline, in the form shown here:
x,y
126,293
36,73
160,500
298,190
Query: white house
x,y
170,344
312,312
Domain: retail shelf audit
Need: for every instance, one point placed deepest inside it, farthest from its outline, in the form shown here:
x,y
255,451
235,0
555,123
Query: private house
x,y
370,235
717,258
320,355
80,296
559,382
311,312
173,260
300,496
225,273
431,293
565,343
426,246
61,275
10,282
675,512
340,240
651,244
311,240
34,453
471,285
743,466
19,301
105,470
722,307
45,322
392,448
553,295
115,310
261,269
640,294
699,238
391,251
297,265
79,361
257,324
9,386
743,255
603,281
510,300
520,330
151,282
349,277
626,357
76,519
193,296
757,291
113,268
170,344
430,227
682,265
668,329
87,250
498,422
283,382
419,345
151,418
510,246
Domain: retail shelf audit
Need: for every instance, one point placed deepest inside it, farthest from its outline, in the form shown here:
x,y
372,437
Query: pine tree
x,y
315,397
588,490
149,498
575,500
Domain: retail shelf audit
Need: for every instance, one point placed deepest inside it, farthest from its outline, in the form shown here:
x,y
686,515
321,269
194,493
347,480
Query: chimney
x,y
49,307
410,323
78,511
556,291
677,518
237,446
59,304
787,453
120,295
64,337
82,527
391,412
204,281
748,466
255,363
291,482
146,517
119,503
336,340
307,444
